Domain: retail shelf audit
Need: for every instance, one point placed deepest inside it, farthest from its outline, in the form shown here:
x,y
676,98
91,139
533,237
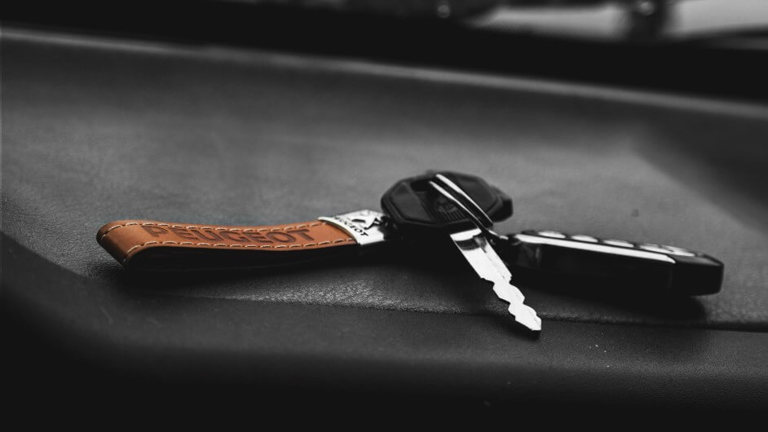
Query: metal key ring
x,y
480,218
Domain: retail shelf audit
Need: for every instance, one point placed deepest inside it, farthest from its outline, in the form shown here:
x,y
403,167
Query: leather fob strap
x,y
153,245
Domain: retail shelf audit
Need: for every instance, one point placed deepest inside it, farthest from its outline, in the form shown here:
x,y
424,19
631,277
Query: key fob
x,y
414,207
669,269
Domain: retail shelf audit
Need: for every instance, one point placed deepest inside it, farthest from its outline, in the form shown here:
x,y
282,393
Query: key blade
x,y
489,266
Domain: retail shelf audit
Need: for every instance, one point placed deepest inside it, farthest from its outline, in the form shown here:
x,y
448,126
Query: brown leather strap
x,y
164,245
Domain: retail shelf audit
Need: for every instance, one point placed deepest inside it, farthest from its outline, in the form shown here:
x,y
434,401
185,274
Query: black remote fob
x,y
670,269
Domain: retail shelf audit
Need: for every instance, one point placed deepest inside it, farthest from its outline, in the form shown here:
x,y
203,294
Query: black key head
x,y
414,206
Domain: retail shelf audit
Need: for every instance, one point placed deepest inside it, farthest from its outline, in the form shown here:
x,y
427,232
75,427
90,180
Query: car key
x,y
463,207
669,269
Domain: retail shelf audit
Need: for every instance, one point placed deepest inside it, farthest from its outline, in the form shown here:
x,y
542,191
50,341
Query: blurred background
x,y
663,45
617,20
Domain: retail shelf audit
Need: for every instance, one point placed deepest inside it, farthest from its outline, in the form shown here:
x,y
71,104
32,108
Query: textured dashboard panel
x,y
96,131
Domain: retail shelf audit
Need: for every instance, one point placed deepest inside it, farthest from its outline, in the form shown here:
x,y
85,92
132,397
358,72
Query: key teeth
x,y
527,317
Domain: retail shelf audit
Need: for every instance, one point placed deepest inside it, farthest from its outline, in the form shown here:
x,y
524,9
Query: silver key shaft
x,y
489,266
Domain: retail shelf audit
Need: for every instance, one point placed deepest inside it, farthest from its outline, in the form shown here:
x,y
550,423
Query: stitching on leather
x,y
216,228
295,245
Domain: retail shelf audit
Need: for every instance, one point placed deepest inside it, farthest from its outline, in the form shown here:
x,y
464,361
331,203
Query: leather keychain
x,y
154,245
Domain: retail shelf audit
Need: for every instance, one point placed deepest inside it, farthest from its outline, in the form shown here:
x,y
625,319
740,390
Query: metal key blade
x,y
489,266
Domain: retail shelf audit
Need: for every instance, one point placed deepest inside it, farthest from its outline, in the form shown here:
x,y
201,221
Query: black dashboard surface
x,y
97,129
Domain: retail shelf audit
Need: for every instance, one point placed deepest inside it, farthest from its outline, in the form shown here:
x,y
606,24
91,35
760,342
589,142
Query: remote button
x,y
584,238
552,234
622,243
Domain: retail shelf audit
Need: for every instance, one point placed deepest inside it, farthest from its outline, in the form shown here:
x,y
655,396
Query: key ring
x,y
479,217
